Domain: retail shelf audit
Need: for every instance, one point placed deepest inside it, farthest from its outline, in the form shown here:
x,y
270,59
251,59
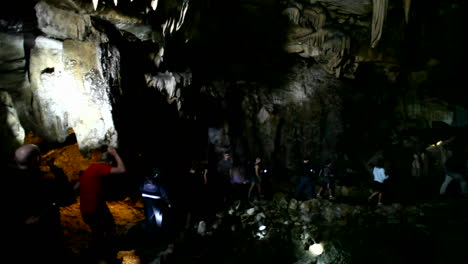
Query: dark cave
x,y
282,80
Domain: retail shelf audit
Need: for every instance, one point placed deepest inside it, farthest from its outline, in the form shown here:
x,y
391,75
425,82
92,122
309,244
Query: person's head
x,y
328,162
28,156
258,160
155,172
226,156
153,175
107,158
305,160
379,163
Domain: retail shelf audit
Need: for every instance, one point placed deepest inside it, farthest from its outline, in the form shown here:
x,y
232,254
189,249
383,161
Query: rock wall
x,y
98,69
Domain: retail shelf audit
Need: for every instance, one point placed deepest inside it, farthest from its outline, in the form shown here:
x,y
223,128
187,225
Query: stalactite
x,y
154,4
95,4
378,18
181,20
164,26
293,13
314,16
406,6
172,25
115,2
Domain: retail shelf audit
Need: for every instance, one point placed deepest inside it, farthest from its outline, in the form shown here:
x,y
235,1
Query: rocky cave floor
x,y
351,231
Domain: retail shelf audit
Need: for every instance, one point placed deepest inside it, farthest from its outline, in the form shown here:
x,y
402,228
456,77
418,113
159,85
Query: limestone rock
x,y
62,24
71,92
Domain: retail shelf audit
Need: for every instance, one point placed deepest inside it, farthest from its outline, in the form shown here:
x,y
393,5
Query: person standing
x,y
93,207
195,193
455,169
35,212
156,203
224,170
327,180
306,176
255,177
379,178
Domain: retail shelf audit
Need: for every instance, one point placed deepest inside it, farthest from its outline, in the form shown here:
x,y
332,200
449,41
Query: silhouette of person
x,y
36,211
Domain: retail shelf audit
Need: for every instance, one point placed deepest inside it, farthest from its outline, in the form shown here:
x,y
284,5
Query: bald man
x,y
28,157
36,213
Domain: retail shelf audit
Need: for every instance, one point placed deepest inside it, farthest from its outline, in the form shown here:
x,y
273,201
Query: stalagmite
x,y
154,4
95,4
378,18
406,6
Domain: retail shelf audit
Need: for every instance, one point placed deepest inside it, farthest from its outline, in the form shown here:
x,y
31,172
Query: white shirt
x,y
379,174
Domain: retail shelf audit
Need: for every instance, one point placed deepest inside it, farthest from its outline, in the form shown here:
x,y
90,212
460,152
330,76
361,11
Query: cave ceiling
x,y
231,35
228,36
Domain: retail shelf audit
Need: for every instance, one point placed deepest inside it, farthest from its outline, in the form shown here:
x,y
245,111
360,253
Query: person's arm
x,y
164,195
120,165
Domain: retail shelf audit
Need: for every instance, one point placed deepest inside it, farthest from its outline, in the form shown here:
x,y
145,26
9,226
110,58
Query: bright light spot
x,y
260,235
439,143
316,249
158,216
262,227
154,4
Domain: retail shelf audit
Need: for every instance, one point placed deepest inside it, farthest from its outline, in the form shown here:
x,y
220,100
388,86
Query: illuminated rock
x,y
11,132
62,24
71,92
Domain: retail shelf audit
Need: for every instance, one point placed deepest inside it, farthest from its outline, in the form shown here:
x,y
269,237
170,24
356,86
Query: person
x,y
327,180
416,170
455,169
196,180
224,170
156,203
380,176
306,177
255,178
239,182
36,213
93,207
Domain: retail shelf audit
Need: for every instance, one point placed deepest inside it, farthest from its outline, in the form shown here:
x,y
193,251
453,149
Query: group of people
x,y
309,178
36,218
325,179
233,176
